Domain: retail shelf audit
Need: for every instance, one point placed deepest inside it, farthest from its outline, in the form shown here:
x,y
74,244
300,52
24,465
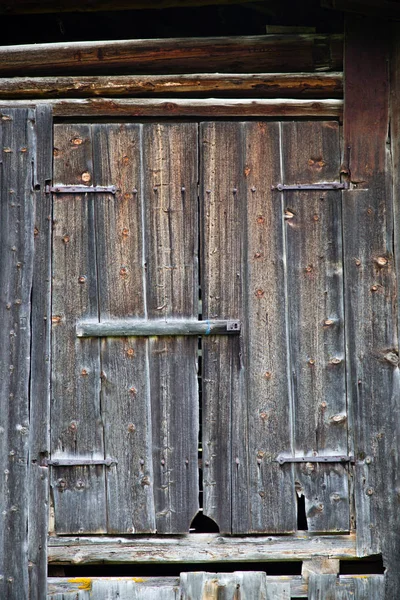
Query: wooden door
x,y
195,233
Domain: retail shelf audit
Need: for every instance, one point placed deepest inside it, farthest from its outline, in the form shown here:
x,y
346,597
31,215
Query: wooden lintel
x,y
257,54
263,85
385,9
202,548
177,107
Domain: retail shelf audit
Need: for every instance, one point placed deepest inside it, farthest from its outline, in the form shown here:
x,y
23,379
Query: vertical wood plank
x,y
170,176
322,587
17,143
246,585
76,423
124,362
278,591
221,283
311,154
39,438
263,491
370,286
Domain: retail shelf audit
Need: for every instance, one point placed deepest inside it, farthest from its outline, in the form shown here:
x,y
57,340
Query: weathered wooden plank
x,y
18,145
172,107
370,288
348,587
123,588
76,425
247,585
222,216
170,176
311,154
125,393
201,548
263,492
267,53
265,85
39,439
321,586
132,327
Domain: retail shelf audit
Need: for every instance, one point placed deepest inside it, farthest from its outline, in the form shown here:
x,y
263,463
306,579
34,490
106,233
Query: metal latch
x,y
80,462
327,185
281,459
81,189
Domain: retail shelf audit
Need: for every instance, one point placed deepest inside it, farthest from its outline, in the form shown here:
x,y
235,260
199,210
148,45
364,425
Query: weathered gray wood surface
x,y
39,409
79,493
132,588
18,146
142,396
173,107
265,85
221,285
267,53
371,289
201,548
311,154
229,586
125,389
170,176
158,327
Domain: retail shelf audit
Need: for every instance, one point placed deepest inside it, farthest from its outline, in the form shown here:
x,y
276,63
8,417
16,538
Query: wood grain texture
x,y
267,53
371,288
18,145
221,283
170,176
39,439
263,491
125,389
76,421
265,85
173,107
311,154
221,585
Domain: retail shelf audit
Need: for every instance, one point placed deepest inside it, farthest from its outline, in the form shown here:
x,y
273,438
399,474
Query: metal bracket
x,y
81,189
281,459
81,462
327,185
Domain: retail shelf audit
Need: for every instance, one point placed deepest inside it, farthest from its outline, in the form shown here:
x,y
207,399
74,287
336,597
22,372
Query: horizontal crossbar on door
x,y
136,327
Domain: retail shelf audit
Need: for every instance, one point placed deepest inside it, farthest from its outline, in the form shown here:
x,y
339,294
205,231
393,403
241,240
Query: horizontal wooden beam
x,y
385,9
257,54
15,7
348,585
265,85
136,327
201,548
176,107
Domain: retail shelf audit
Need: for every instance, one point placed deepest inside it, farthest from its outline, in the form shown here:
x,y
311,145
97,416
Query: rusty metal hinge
x,y
327,185
81,189
338,458
80,462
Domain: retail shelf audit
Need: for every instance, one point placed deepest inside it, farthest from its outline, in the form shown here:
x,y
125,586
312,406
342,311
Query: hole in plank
x,y
370,565
203,524
174,570
301,513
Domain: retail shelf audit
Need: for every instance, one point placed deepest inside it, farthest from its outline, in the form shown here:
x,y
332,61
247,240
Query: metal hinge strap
x,y
281,459
327,185
81,189
81,462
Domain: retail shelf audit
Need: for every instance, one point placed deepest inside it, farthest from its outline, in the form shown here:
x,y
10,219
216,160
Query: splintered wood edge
x,y
177,107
